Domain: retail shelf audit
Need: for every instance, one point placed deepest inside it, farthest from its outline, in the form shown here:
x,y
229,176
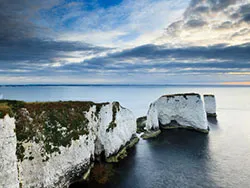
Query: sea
x,y
176,158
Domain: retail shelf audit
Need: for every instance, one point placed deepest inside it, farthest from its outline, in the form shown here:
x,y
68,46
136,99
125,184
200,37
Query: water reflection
x,y
213,120
213,123
185,158
124,171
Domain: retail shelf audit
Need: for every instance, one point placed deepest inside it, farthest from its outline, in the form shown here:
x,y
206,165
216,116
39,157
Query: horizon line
x,y
146,84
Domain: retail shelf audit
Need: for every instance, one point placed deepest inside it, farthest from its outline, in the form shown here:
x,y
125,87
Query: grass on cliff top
x,y
182,95
9,107
51,124
12,107
4,109
208,95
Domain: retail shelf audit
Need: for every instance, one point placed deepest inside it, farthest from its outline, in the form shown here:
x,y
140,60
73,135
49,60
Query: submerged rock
x,y
178,111
210,105
54,143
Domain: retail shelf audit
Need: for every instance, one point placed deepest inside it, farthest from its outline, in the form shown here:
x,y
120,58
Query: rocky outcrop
x,y
54,143
141,128
210,105
177,111
151,134
123,151
141,124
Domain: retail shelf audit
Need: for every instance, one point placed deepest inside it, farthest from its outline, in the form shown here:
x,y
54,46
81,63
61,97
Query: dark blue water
x,y
177,158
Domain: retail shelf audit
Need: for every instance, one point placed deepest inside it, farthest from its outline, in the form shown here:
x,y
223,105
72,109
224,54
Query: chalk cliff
x,y
210,105
177,111
52,144
8,159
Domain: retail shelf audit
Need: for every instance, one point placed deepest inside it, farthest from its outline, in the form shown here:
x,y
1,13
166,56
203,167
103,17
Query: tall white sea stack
x,y
178,111
210,105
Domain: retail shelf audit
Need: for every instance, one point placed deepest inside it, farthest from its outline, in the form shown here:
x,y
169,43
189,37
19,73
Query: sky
x,y
125,42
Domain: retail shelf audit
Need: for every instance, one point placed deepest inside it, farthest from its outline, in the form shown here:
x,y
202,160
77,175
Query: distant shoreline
x,y
123,85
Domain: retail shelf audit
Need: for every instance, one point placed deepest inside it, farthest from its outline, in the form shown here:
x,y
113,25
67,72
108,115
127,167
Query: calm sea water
x,y
177,158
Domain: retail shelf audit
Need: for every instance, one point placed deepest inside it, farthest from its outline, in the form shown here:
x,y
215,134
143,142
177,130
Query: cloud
x,y
87,42
209,22
36,49
224,25
242,32
246,18
148,60
223,52
57,32
127,24
28,42
195,23
154,59
18,18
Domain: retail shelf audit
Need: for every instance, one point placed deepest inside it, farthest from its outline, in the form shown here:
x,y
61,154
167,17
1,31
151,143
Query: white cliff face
x,y
8,160
57,170
109,128
186,110
210,105
125,126
152,121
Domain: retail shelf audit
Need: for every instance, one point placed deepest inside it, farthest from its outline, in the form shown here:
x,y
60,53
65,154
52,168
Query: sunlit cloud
x,y
209,23
239,73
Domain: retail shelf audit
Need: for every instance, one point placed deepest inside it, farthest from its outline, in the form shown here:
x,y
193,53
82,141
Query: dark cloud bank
x,y
219,56
23,37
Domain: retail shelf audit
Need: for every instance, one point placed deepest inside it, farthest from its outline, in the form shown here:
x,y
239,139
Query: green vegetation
x,y
115,109
151,134
182,95
51,124
122,153
212,115
119,156
87,173
134,140
208,95
4,109
9,107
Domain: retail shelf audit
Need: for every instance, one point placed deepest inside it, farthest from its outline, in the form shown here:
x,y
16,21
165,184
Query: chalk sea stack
x,y
177,111
210,105
52,144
